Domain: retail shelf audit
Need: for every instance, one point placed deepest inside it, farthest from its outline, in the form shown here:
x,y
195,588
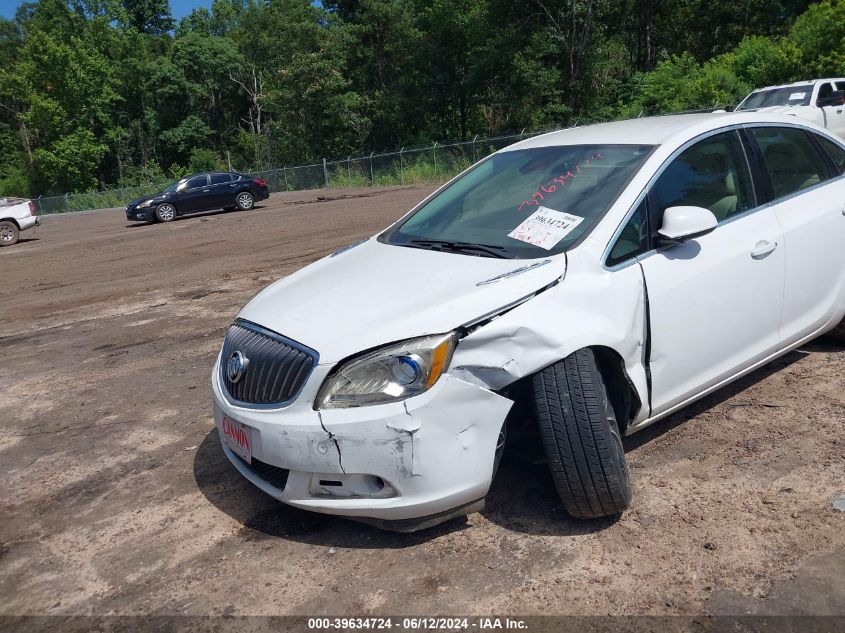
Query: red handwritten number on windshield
x,y
558,182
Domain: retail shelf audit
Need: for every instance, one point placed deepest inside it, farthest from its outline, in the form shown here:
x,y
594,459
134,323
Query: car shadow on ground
x,y
262,516
522,497
22,240
725,393
193,216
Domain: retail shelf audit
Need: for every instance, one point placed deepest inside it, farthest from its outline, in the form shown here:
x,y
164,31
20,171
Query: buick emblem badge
x,y
236,367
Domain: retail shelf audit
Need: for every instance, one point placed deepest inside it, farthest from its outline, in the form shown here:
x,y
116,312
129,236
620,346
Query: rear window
x,y
836,152
529,202
219,179
791,158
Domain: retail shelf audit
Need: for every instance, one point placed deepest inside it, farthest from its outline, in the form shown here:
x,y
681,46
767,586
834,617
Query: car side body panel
x,y
814,243
715,306
590,308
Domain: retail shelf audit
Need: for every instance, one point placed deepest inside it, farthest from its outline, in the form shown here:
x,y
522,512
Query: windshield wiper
x,y
451,246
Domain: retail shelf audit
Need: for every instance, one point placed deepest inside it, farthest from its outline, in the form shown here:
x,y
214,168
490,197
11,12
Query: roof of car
x,y
806,82
652,130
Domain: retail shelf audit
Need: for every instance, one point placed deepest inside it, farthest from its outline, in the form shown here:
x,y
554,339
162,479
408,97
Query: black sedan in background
x,y
200,192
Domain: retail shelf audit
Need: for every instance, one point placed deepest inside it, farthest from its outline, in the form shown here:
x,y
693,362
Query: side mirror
x,y
685,223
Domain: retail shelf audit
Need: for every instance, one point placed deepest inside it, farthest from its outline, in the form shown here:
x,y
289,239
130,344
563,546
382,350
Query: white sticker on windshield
x,y
546,227
797,95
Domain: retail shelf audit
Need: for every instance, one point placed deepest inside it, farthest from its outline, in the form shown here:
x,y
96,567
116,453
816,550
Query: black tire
x,y
245,200
500,448
581,437
9,233
165,212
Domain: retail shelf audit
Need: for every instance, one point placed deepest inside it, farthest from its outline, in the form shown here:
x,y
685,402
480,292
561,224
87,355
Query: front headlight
x,y
144,204
389,374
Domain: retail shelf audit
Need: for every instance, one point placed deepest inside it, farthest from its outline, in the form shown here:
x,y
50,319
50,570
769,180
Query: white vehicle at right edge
x,y
821,101
583,283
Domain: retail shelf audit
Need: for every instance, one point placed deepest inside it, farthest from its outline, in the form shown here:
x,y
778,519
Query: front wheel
x,y
581,438
165,212
245,200
9,233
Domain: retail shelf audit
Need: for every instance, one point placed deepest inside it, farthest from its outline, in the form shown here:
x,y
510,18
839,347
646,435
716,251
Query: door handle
x,y
763,248
205,190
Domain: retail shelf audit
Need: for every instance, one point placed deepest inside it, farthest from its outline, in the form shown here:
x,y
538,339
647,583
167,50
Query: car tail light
x,y
32,208
260,182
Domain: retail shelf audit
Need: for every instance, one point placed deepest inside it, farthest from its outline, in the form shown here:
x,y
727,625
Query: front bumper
x,y
139,214
429,457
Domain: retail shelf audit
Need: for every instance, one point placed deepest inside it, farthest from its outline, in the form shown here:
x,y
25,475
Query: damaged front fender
x,y
589,308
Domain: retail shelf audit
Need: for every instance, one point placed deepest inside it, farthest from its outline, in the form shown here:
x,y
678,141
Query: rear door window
x,y
219,179
835,151
790,158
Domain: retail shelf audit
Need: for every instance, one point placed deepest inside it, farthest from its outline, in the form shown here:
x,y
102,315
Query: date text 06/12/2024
x,y
418,623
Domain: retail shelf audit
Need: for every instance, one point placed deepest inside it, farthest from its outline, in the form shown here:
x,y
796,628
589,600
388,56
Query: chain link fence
x,y
418,165
433,164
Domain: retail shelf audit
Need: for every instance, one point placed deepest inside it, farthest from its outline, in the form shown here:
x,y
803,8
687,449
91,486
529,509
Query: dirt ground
x,y
116,498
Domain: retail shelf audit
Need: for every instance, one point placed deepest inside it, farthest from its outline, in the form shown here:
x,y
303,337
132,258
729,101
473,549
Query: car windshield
x,y
789,96
523,203
174,186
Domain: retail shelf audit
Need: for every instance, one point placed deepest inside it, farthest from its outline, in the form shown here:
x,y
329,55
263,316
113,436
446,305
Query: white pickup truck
x,y
16,215
821,101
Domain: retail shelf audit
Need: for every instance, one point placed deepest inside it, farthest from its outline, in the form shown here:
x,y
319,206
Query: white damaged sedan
x,y
601,277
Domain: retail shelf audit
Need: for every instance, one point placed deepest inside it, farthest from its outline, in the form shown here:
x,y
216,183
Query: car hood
x,y
781,109
375,293
159,195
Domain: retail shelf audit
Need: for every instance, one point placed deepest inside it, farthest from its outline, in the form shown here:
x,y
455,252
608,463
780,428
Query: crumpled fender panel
x,y
588,308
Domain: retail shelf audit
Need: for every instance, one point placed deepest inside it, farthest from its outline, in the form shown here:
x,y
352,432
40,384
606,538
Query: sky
x,y
179,8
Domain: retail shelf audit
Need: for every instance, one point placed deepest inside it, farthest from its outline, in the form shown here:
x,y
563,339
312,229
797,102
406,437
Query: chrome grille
x,y
276,368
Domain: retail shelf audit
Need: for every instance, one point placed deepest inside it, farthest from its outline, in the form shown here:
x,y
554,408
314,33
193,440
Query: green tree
x,y
819,35
149,16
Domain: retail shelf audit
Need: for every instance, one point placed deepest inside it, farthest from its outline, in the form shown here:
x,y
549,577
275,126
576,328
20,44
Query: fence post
x,y
285,174
349,171
473,148
401,168
325,174
67,205
39,206
435,159
372,178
